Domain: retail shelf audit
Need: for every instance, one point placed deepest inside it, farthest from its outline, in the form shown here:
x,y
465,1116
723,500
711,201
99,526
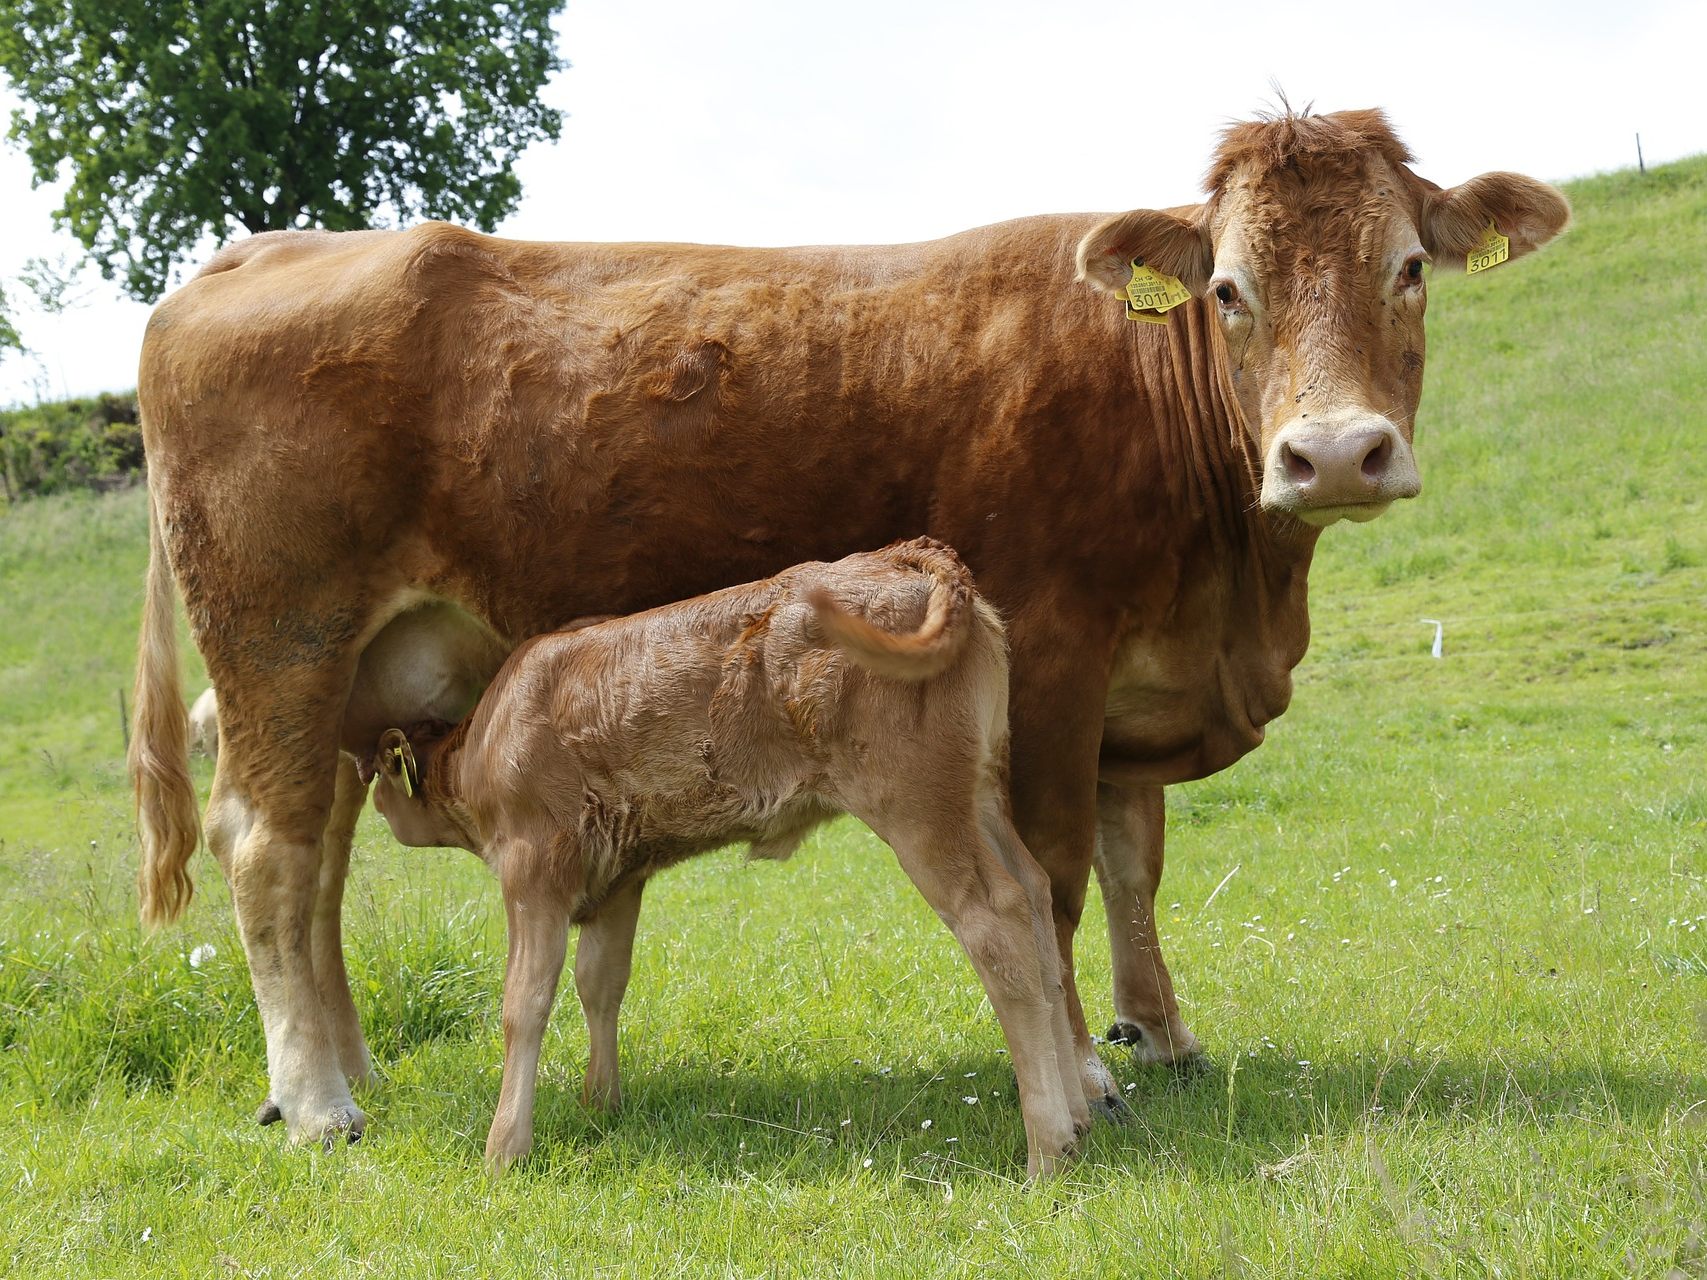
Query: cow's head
x,y
1309,253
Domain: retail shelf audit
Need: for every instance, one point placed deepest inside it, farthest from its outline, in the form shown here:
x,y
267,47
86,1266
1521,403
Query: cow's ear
x,y
1528,213
1173,241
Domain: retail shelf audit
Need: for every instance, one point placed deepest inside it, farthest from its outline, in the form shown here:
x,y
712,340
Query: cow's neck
x,y
1218,614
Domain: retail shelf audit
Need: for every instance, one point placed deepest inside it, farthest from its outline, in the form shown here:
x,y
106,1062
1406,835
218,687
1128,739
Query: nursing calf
x,y
875,686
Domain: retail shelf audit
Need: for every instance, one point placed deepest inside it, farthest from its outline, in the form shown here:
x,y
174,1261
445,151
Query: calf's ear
x,y
1527,212
397,760
1173,241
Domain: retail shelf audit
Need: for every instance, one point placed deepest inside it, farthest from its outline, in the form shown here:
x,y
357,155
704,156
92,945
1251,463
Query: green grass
x,y
1455,990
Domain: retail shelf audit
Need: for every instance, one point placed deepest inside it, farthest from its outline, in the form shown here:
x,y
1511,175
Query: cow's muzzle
x,y
1350,469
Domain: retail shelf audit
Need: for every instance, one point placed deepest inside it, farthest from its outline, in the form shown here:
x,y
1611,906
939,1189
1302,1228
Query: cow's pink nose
x,y
1347,467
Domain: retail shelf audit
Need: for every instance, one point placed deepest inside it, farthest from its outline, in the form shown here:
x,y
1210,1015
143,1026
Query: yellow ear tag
x,y
1150,294
1490,251
404,755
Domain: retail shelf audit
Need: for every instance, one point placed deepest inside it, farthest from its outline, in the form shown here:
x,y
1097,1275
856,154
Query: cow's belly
x,y
430,662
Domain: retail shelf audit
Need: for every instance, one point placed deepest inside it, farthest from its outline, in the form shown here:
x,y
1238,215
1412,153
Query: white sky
x,y
789,122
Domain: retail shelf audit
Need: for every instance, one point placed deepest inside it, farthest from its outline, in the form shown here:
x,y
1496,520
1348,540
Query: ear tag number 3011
x,y
1491,250
1150,294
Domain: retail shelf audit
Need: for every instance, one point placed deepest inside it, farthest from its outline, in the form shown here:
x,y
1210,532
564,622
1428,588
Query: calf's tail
x,y
948,624
159,748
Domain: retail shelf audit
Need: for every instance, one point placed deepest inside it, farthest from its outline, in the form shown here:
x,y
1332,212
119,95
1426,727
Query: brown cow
x,y
379,460
601,755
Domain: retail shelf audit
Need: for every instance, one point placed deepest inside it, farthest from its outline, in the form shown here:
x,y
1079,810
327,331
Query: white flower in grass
x,y
202,954
925,1124
970,1099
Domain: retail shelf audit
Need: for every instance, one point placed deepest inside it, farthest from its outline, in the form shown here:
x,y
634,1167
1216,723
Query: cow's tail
x,y
160,748
949,620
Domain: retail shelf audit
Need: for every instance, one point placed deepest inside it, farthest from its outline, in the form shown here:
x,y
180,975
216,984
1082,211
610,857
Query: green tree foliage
x,y
9,337
92,442
179,119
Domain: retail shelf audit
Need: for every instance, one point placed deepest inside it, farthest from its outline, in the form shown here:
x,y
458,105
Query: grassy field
x,y
1455,988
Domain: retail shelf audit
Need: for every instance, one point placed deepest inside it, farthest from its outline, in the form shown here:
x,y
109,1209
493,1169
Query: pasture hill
x,y
1444,936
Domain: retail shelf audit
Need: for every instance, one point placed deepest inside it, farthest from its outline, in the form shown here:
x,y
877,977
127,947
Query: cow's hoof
x,y
268,1114
1192,1066
1150,1049
344,1124
1112,1108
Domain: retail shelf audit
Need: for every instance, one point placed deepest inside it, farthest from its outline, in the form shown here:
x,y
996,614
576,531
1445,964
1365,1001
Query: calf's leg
x,y
999,831
991,916
1131,824
1057,734
539,937
604,955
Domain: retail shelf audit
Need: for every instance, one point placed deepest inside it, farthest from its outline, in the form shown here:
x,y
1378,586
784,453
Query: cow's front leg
x,y
1131,825
1057,736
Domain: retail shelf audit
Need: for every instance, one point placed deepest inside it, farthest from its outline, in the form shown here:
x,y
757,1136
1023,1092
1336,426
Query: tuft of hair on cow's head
x,y
1309,257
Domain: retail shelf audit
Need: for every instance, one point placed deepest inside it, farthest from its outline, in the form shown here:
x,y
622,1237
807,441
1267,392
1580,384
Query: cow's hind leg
x,y
992,917
604,956
539,938
1129,867
271,847
282,695
330,977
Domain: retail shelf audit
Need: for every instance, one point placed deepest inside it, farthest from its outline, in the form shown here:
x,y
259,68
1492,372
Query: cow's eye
x,y
1414,270
1226,293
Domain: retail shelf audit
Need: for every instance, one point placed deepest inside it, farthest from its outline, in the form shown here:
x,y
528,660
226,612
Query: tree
x,y
179,119
10,339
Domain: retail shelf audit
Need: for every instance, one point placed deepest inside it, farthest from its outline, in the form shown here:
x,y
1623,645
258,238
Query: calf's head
x,y
1310,255
399,766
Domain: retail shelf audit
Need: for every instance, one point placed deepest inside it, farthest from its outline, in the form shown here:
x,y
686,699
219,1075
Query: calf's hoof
x,y
1051,1160
503,1151
601,1097
268,1114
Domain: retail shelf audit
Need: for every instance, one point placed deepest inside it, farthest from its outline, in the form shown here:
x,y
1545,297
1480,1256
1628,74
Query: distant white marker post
x,y
1439,635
